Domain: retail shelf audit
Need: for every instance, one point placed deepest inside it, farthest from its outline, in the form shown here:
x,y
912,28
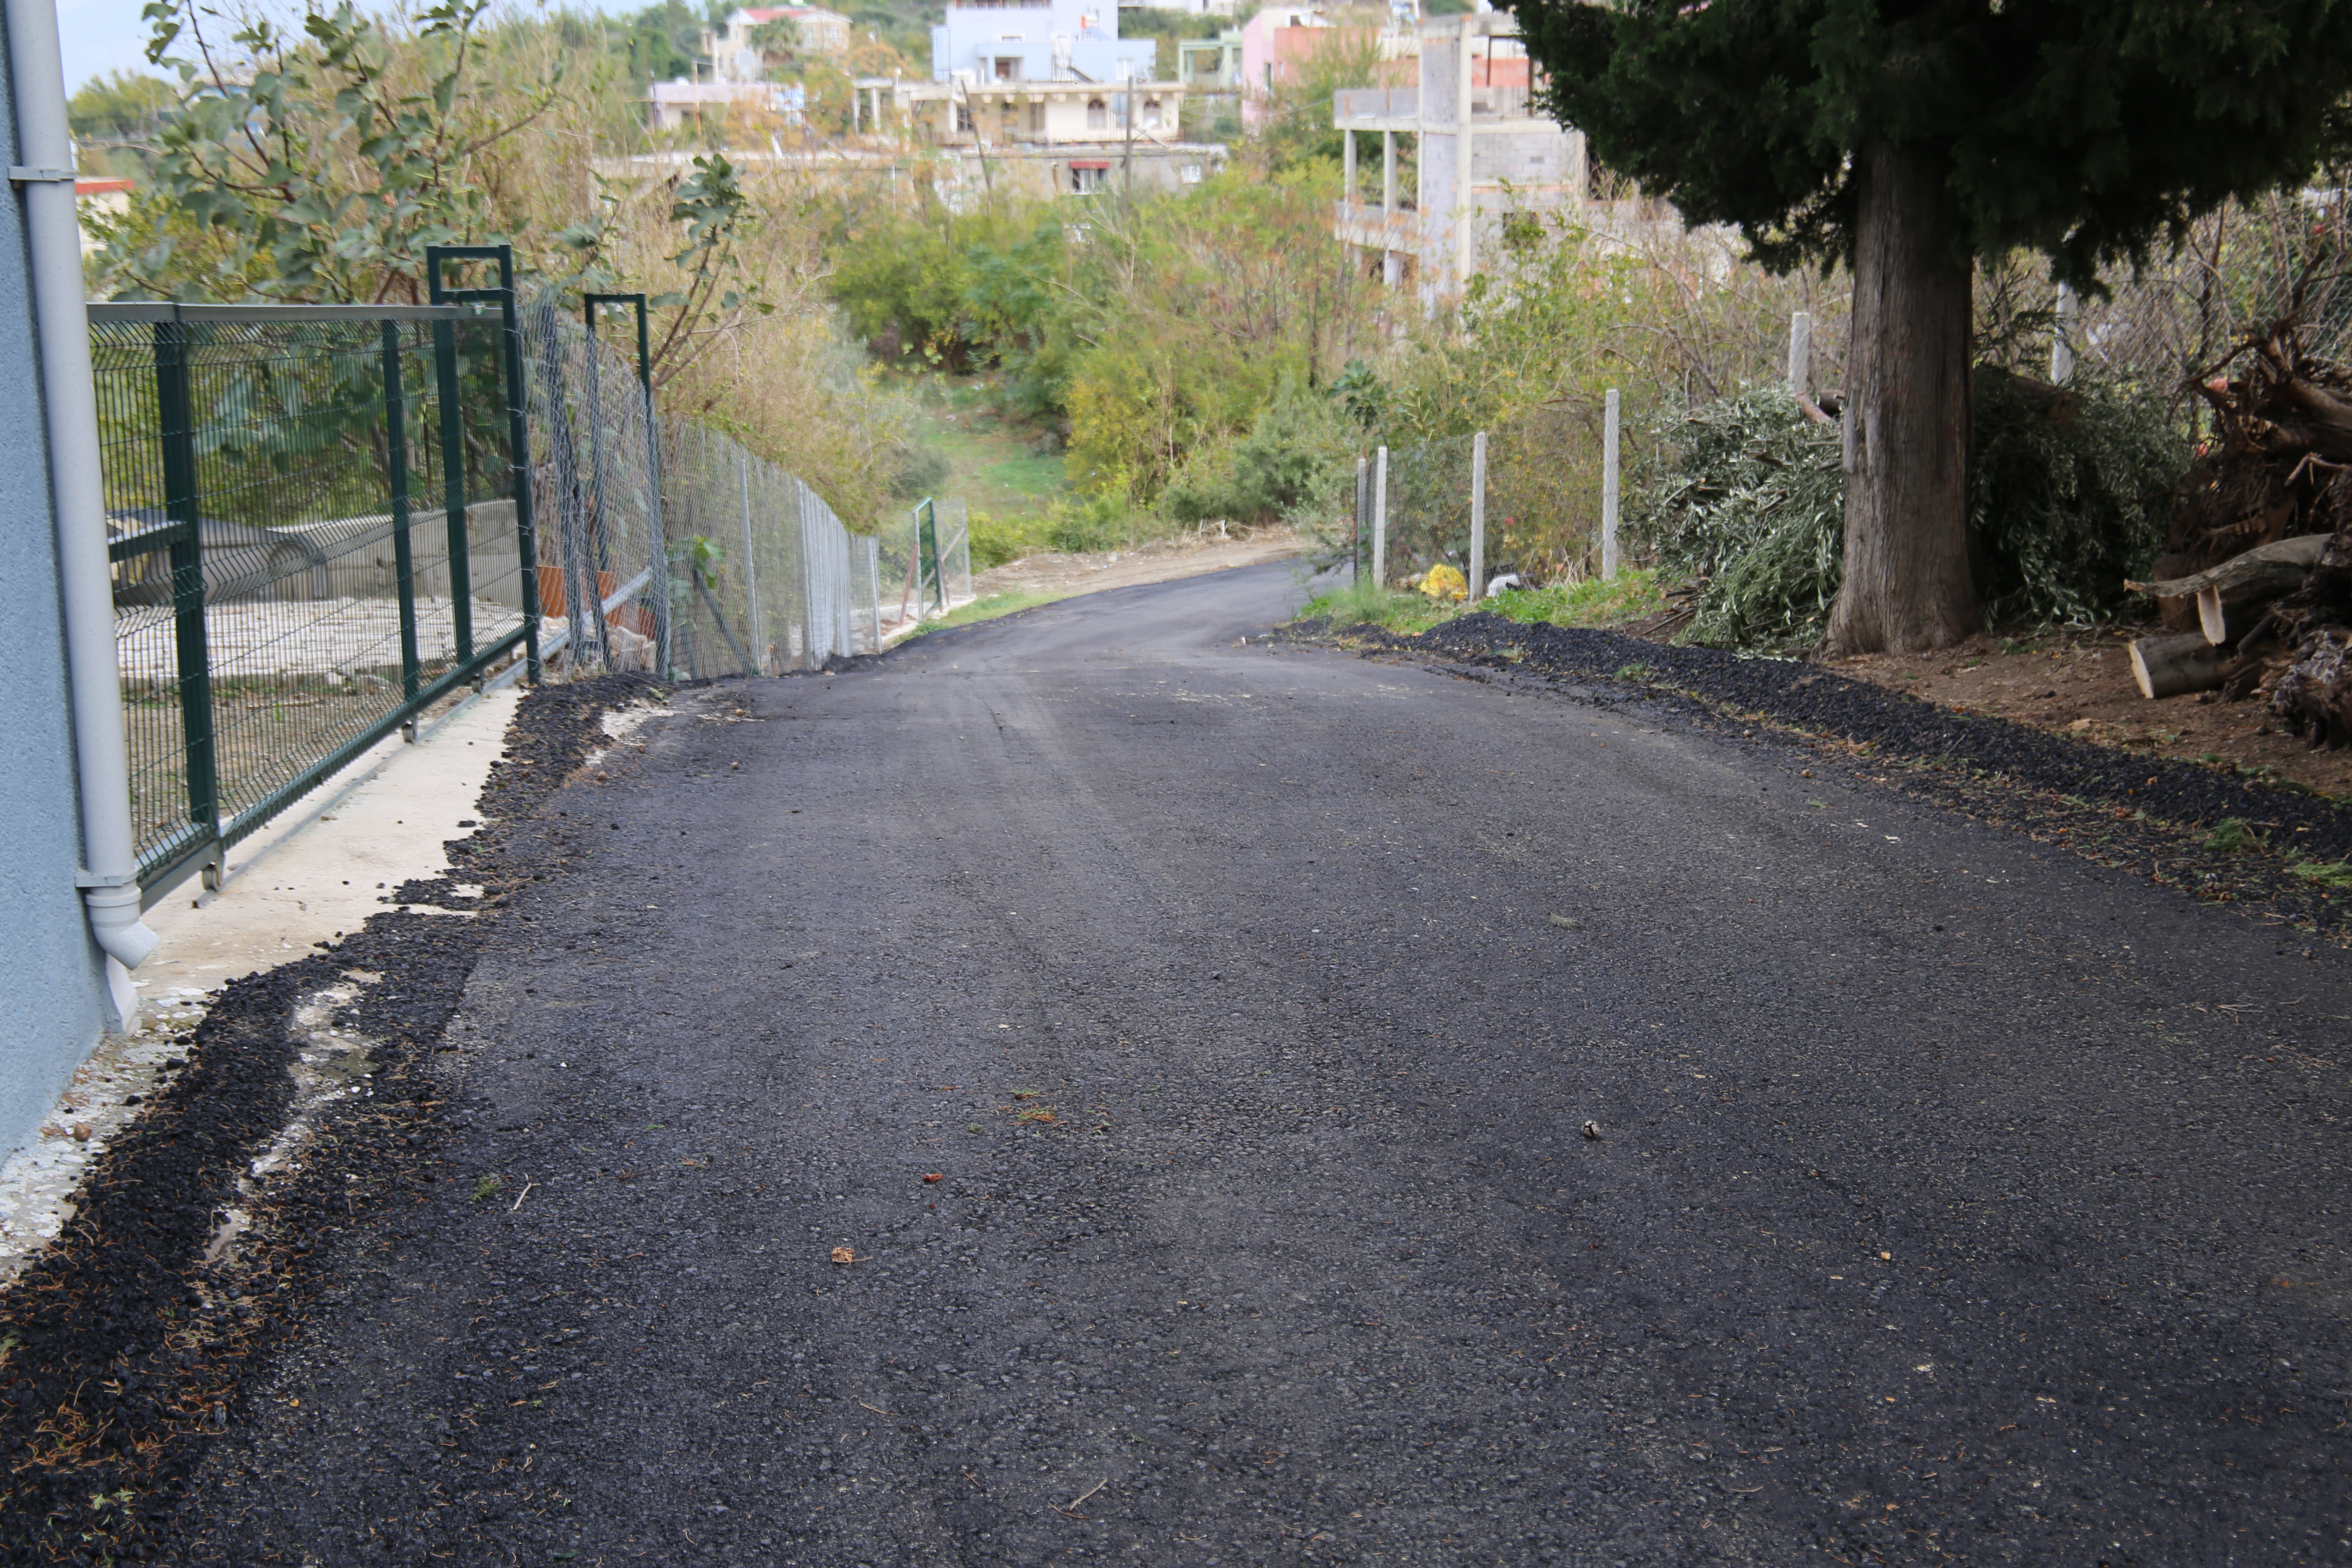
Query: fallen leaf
x,y
844,1254
936,1176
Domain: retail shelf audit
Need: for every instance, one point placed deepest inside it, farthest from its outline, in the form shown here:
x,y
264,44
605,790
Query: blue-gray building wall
x,y
971,38
53,1006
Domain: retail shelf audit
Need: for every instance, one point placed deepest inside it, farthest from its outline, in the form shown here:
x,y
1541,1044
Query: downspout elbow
x,y
114,922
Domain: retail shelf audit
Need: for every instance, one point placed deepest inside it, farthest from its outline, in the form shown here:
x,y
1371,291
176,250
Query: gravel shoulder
x,y
1192,1043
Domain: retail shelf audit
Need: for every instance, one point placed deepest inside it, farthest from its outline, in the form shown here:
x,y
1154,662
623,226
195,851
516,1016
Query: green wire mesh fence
x,y
291,581
317,535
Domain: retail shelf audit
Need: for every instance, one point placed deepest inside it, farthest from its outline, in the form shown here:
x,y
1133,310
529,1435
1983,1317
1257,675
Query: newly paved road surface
x,y
1948,1203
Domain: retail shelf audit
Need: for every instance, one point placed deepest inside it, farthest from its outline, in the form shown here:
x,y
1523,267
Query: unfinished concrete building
x,y
1482,150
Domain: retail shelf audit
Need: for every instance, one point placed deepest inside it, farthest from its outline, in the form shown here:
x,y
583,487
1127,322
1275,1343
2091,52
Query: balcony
x,y
1376,108
1377,228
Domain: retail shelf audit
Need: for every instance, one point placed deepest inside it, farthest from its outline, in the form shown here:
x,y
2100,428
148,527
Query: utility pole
x,y
1127,162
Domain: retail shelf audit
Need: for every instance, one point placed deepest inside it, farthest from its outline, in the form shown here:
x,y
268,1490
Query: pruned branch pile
x,y
2259,557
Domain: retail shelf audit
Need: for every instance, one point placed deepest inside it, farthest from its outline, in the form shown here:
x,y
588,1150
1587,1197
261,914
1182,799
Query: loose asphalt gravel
x,y
1196,1045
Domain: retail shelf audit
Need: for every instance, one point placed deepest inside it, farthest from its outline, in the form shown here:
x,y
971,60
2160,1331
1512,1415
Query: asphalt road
x,y
1949,1203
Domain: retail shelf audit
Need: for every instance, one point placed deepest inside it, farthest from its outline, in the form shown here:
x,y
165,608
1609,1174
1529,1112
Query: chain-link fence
x,y
317,534
764,578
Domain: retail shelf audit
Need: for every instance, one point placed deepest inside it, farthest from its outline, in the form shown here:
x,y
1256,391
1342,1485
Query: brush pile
x,y
2257,572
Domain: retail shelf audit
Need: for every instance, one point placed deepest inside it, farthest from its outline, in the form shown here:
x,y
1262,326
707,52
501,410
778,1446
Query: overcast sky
x,y
99,36
102,35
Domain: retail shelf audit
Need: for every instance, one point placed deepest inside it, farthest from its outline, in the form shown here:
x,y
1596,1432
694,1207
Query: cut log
x,y
2242,584
2210,617
2288,561
2170,667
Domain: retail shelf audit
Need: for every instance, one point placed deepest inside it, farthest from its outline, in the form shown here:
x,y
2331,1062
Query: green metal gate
x,y
317,529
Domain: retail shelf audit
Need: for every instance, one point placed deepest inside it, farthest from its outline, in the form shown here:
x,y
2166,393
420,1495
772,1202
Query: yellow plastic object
x,y
1445,581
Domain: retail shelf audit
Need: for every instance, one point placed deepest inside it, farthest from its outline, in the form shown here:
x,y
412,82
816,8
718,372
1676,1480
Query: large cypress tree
x,y
1905,138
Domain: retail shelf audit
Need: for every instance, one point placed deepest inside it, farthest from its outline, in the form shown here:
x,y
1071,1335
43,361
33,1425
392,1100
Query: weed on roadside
x,y
2232,834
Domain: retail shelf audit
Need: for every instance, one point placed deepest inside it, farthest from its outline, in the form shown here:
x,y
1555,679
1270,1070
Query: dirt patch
x,y
186,1266
1162,561
2079,685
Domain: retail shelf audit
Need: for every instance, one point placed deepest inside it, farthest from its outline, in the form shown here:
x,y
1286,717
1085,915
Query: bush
x,y
1752,505
2065,501
997,540
2067,496
1296,455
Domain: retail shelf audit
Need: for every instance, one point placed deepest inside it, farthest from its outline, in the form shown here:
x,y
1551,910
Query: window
x,y
1086,179
1150,113
1007,68
1097,114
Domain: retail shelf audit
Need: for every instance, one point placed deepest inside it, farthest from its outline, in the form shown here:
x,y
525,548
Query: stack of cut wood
x,y
2257,575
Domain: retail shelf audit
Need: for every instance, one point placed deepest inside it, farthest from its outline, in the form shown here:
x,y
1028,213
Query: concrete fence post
x,y
1800,352
1477,574
1381,517
1609,490
1356,522
2062,342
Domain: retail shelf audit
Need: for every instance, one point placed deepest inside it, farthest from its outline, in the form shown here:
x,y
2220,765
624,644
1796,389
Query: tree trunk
x,y
1907,585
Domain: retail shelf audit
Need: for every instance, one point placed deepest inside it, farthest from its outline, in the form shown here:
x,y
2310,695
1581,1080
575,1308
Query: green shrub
x,y
1078,527
1752,504
2066,497
997,540
1294,459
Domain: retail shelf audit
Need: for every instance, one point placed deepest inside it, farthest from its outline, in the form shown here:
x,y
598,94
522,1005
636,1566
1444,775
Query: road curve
x,y
1198,1046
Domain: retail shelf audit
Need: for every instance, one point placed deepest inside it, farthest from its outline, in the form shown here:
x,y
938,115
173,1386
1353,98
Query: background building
x,y
1484,149
1061,41
754,43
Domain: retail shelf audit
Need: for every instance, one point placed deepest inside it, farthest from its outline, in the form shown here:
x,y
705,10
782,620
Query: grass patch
x,y
1364,603
1592,603
486,1186
988,609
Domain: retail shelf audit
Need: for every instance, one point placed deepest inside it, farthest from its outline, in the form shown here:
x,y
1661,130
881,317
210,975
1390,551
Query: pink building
x,y
1272,42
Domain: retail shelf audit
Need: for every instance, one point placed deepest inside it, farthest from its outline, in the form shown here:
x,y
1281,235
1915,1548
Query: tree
x,y
1906,138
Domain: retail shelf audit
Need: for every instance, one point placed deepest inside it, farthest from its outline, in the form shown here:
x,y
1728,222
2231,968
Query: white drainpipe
x,y
61,324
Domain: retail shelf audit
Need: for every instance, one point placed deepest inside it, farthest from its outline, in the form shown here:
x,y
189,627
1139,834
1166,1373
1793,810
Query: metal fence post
x,y
927,547
655,525
453,487
403,557
752,616
1476,582
2061,339
182,504
1609,490
517,416
1380,517
581,618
